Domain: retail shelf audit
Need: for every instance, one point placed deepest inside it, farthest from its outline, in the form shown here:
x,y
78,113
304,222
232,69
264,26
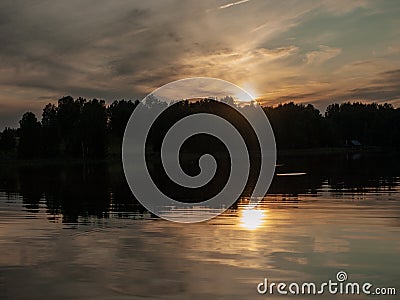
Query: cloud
x,y
322,55
125,49
385,86
278,52
391,76
338,8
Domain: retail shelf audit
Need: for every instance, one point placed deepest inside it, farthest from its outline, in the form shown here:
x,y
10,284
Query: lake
x,y
73,231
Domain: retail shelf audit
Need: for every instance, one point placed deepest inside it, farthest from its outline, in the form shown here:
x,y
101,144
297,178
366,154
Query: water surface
x,y
76,232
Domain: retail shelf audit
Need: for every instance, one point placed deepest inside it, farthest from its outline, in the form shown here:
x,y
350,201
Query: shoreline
x,y
335,150
112,158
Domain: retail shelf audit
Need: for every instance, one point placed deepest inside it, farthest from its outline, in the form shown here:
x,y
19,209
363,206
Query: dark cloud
x,y
299,97
390,77
385,87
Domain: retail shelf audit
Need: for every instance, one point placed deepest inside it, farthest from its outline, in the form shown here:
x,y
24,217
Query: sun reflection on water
x,y
252,219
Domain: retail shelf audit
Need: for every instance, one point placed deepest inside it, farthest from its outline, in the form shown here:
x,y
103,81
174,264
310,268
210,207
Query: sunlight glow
x,y
249,88
252,219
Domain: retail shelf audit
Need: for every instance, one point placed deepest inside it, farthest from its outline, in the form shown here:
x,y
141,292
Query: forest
x,y
92,129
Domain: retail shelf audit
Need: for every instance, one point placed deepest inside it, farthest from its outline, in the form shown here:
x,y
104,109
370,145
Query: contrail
x,y
233,3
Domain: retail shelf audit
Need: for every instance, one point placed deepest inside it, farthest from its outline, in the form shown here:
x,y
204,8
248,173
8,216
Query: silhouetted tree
x,y
371,124
50,133
119,113
93,126
29,136
68,117
297,125
7,140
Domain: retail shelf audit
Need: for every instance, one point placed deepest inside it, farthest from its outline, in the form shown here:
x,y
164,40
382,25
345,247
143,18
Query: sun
x,y
247,93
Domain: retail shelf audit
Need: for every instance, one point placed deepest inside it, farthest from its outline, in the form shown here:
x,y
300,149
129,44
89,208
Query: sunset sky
x,y
304,51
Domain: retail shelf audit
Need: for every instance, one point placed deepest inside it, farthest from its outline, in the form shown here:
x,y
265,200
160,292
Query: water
x,y
75,232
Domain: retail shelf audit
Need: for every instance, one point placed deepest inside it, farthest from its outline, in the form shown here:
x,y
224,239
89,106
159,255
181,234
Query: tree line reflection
x,y
100,189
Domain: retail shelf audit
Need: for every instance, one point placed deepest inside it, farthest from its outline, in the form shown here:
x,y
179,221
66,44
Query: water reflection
x,y
343,214
74,191
252,218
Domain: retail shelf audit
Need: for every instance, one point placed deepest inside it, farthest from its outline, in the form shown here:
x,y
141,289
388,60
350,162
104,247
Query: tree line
x,y
346,124
72,128
91,129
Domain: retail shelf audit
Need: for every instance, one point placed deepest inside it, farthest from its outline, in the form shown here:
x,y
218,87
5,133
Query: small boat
x,y
291,174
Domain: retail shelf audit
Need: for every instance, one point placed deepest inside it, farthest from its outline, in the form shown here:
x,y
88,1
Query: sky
x,y
316,52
